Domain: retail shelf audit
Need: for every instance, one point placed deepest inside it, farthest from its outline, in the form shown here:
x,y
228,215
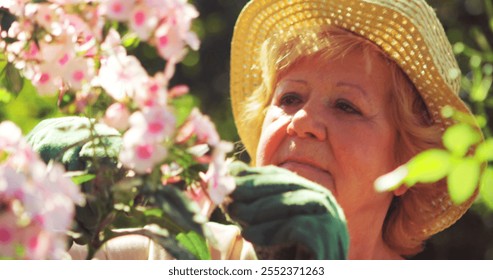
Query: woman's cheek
x,y
273,132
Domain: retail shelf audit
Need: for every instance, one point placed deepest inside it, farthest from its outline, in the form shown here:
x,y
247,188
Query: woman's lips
x,y
311,172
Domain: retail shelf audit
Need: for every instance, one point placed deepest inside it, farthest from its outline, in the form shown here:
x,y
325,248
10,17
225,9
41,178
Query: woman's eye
x,y
290,99
347,107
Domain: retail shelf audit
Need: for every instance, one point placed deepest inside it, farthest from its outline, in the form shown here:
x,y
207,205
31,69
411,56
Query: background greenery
x,y
469,26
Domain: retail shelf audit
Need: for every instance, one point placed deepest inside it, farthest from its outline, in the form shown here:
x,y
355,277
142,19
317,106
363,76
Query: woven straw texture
x,y
407,30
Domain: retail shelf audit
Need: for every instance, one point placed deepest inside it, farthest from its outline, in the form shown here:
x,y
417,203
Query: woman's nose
x,y
306,123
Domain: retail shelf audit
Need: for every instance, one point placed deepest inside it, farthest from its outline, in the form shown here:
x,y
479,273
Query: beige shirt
x,y
226,243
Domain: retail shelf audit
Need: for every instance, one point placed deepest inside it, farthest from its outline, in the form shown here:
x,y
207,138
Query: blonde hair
x,y
415,129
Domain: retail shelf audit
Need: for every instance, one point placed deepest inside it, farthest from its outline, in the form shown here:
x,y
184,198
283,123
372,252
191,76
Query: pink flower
x,y
32,52
37,202
140,154
117,9
122,76
67,2
57,55
169,42
47,16
142,146
10,136
23,157
153,93
46,81
202,199
11,183
219,183
77,72
201,126
180,14
21,32
8,233
112,45
154,123
59,183
88,29
143,21
178,91
38,243
41,209
117,116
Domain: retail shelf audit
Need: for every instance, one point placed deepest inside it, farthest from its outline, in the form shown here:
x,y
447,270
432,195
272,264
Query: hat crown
x,y
408,31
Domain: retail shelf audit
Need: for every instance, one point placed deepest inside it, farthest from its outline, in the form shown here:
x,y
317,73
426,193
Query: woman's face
x,y
329,122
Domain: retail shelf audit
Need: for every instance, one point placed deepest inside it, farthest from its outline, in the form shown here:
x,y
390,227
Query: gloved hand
x,y
287,216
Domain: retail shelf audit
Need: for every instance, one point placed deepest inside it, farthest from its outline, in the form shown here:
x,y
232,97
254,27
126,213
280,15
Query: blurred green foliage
x,y
469,26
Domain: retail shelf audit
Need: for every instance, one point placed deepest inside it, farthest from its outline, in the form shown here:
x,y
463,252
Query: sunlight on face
x,y
329,122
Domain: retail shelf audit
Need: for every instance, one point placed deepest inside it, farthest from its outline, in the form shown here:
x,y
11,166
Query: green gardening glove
x,y
287,216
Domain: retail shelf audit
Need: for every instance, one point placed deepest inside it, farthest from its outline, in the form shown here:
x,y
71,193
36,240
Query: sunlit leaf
x,y
486,187
195,243
463,180
459,138
156,212
475,61
130,41
481,89
428,166
183,106
83,178
484,152
5,96
392,180
461,117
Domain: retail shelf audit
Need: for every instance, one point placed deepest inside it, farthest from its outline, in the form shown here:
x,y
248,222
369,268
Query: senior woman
x,y
342,92
339,92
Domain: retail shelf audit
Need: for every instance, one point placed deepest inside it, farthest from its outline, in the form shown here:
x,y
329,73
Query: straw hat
x,y
408,31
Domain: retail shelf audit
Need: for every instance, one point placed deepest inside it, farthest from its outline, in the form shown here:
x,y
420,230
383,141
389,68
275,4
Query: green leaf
x,y
459,138
13,79
83,178
484,152
6,20
486,187
177,209
155,212
195,243
428,167
183,105
480,89
463,180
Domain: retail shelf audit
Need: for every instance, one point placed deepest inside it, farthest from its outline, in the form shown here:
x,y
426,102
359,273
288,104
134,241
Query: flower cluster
x,y
37,202
74,48
57,43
